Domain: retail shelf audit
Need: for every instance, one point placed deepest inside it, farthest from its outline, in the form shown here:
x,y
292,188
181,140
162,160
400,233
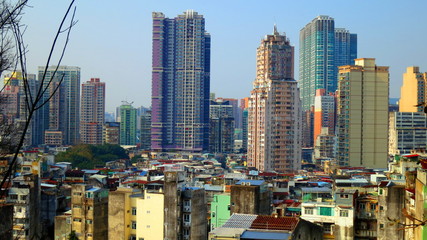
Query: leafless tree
x,y
13,58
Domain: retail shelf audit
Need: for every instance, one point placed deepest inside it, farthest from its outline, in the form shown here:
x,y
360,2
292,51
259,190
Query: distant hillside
x,y
87,156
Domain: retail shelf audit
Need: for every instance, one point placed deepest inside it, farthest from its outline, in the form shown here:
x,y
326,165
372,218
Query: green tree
x,y
88,156
73,236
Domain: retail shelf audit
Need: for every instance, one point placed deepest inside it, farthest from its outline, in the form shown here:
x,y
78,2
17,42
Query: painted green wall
x,y
220,210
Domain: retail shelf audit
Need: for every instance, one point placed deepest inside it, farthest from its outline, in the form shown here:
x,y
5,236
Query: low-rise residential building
x,y
89,206
220,210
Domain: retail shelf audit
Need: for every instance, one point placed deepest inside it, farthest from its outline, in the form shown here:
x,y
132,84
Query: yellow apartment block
x,y
362,96
413,90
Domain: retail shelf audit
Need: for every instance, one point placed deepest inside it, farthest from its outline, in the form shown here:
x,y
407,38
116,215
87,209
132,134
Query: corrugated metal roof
x,y
238,220
90,171
353,180
217,188
265,235
316,190
226,232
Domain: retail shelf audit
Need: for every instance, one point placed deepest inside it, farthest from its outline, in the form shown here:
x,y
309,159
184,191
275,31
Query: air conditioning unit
x,y
187,224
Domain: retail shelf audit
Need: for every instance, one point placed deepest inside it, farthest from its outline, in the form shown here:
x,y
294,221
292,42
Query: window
x,y
13,197
381,226
77,220
325,211
133,211
343,195
89,221
308,211
373,206
343,213
133,224
186,231
187,217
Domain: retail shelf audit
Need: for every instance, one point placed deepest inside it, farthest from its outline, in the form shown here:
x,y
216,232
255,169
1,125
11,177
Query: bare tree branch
x,y
33,103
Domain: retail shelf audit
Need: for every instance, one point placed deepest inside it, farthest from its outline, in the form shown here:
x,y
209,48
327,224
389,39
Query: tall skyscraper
x,y
362,128
413,90
127,124
407,132
237,112
180,83
92,111
324,113
221,137
12,82
274,120
322,49
146,130
61,116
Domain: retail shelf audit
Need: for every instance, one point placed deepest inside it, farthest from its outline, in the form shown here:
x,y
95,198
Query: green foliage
x,y
85,156
73,236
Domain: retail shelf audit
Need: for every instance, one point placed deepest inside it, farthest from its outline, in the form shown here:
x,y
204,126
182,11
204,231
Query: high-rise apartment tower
x,y
127,124
61,116
322,49
413,90
92,111
274,119
180,83
362,126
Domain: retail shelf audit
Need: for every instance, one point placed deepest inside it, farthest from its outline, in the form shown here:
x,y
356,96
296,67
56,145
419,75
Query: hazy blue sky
x,y
112,39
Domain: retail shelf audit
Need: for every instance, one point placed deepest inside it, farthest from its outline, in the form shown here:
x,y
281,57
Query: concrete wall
x,y
250,200
199,210
62,227
392,203
307,230
172,205
150,212
6,221
117,224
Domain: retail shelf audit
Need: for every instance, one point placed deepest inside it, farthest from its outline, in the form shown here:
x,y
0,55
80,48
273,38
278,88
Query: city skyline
x,y
383,26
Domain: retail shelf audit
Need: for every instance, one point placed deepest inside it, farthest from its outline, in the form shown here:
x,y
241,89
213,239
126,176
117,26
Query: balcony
x,y
365,233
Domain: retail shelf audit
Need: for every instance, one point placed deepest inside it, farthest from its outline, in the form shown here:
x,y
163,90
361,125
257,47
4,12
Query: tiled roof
x,y
275,223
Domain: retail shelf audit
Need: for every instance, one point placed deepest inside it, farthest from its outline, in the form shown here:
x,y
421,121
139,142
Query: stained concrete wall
x,y
116,215
198,214
392,201
6,221
307,230
249,200
172,203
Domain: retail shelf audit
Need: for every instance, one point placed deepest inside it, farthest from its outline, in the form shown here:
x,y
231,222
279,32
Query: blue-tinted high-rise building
x,y
322,49
180,83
